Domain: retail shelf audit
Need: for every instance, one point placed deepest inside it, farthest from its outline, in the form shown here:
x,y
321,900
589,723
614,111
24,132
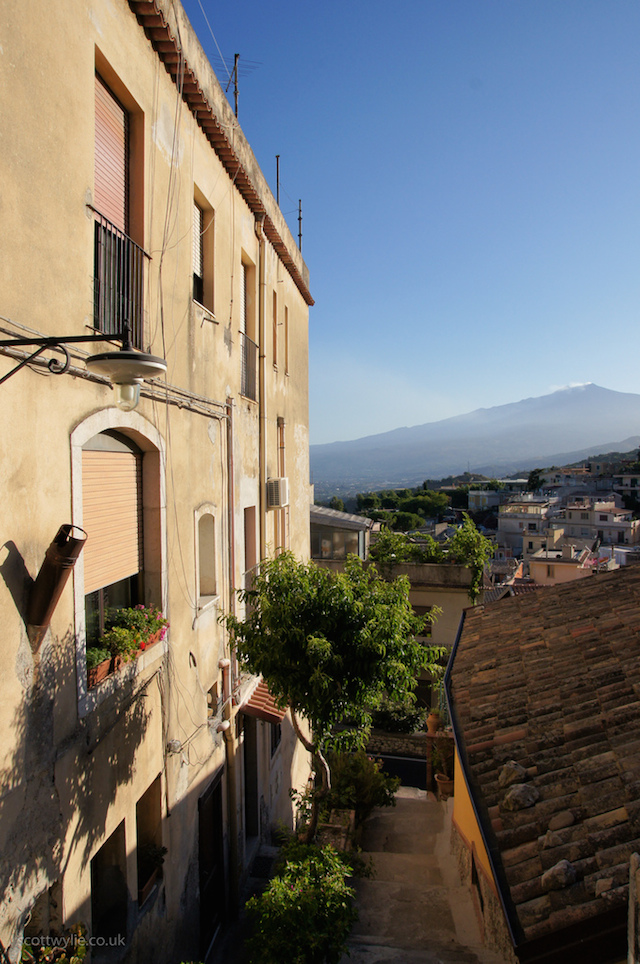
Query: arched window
x,y
112,519
119,497
206,575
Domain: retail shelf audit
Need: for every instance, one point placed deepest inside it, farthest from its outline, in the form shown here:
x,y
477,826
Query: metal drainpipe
x,y
227,728
262,390
59,560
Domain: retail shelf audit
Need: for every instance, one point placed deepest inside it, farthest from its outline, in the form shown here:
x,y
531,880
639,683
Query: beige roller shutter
x,y
111,151
112,517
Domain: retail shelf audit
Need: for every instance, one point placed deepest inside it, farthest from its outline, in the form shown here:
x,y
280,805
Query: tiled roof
x,y
551,681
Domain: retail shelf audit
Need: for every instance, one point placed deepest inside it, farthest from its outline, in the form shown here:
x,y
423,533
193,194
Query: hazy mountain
x,y
565,426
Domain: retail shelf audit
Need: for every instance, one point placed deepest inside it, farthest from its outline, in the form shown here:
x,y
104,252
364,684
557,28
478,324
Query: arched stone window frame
x,y
208,600
150,442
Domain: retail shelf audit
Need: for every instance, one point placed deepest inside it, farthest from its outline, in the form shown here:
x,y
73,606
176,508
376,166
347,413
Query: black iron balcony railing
x,y
248,380
118,283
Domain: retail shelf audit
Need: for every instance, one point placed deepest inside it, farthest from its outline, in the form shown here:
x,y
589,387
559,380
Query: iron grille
x,y
118,281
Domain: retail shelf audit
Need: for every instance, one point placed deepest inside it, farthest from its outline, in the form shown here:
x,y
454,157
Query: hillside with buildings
x,y
555,429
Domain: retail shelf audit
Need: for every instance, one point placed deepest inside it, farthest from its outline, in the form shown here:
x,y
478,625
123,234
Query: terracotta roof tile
x,y
552,681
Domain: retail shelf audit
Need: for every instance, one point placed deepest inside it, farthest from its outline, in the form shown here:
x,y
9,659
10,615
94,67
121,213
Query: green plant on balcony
x,y
129,630
97,655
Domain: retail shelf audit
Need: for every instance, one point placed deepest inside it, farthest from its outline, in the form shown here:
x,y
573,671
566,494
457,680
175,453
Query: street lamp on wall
x,y
126,368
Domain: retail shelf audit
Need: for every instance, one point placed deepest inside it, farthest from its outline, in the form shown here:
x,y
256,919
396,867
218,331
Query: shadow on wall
x,y
51,786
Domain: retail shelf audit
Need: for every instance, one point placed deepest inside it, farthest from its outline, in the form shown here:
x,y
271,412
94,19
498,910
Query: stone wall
x,y
492,921
397,744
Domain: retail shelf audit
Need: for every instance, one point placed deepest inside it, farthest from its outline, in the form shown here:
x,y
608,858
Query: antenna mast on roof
x,y
234,77
300,224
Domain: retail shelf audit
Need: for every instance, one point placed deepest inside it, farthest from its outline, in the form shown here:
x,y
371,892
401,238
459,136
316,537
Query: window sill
x,y
204,313
206,604
119,676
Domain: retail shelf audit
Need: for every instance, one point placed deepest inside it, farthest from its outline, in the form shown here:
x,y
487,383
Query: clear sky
x,y
470,180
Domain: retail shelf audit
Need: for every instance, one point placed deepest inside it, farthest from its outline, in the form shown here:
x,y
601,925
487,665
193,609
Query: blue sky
x,y
470,180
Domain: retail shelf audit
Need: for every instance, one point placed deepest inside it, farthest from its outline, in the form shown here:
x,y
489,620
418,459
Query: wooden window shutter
x,y
112,517
111,153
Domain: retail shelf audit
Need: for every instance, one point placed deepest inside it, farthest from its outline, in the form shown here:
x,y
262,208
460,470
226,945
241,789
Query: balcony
x,y
118,281
248,379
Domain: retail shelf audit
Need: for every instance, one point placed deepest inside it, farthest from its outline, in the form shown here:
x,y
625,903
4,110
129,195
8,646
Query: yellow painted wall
x,y
72,764
465,820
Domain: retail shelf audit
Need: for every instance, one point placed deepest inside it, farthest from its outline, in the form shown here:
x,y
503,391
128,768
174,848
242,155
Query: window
x,y
149,852
281,516
276,736
250,546
327,543
550,572
249,349
286,340
112,519
198,267
603,517
214,701
134,549
109,889
206,555
275,330
203,251
584,515
118,260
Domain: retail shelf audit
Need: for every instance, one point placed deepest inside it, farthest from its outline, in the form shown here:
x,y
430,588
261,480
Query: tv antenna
x,y
238,70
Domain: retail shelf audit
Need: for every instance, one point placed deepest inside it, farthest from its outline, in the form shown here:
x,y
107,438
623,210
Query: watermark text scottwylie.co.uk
x,y
75,940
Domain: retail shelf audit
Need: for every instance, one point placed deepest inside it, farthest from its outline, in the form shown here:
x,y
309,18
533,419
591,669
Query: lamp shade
x,y
127,369
124,367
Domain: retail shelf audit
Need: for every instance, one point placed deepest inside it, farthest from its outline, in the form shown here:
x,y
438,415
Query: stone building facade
x,y
131,194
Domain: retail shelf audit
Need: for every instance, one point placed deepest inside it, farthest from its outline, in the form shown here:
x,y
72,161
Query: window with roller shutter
x,y
118,260
112,519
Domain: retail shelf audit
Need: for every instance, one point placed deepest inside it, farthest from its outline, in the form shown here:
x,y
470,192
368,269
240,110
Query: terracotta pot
x,y
154,638
116,662
434,723
97,673
445,785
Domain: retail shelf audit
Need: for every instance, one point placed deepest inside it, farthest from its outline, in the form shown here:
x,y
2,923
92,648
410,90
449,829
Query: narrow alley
x,y
414,909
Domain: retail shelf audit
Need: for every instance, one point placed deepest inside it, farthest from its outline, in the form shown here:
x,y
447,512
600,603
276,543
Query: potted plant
x,y
146,624
122,644
442,758
434,721
150,860
98,664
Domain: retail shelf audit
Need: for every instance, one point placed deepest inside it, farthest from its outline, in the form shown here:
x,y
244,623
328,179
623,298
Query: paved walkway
x,y
414,910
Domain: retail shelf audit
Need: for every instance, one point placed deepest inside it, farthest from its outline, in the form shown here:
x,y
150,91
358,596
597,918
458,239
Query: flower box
x,y
98,673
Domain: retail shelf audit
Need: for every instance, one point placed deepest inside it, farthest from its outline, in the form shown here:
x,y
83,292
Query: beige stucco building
x,y
130,193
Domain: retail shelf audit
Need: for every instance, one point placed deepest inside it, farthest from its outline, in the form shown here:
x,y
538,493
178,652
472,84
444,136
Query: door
x,y
211,865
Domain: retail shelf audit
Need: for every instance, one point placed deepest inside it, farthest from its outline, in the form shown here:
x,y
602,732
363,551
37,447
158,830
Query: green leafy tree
x,y
305,914
468,547
403,521
336,503
534,481
366,501
330,645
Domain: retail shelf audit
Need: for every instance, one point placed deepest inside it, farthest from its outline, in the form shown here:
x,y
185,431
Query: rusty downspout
x,y
59,560
262,383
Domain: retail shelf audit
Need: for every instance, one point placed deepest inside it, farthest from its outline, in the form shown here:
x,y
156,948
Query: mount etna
x,y
556,429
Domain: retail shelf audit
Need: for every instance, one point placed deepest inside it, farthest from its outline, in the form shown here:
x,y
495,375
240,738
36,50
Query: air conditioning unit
x,y
277,493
